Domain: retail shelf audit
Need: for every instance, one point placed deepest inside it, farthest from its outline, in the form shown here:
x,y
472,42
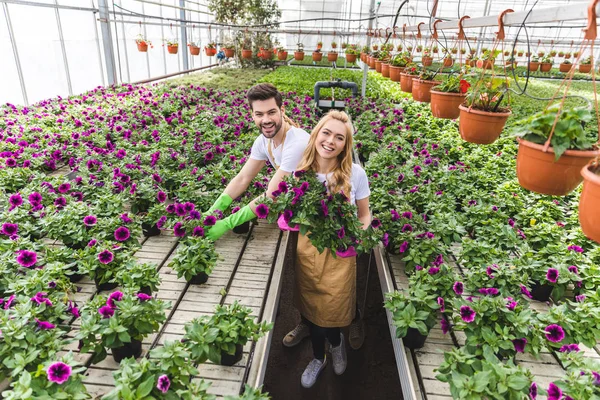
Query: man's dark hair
x,y
262,92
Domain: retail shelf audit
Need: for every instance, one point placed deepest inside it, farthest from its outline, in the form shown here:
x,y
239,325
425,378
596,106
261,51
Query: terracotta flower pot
x,y
351,58
282,55
298,55
267,54
172,49
585,68
142,47
406,83
448,62
539,172
317,56
378,65
395,73
545,67
229,53
210,51
565,67
194,50
533,66
427,61
485,64
385,70
363,57
589,203
247,54
481,127
332,57
445,105
421,90
372,62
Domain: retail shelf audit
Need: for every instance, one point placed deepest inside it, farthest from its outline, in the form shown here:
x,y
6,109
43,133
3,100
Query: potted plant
x,y
487,59
413,316
426,59
589,202
247,48
351,54
409,48
585,66
454,50
448,61
552,53
142,43
141,277
344,46
463,51
575,54
229,50
333,45
210,49
421,87
533,64
546,64
541,54
435,49
482,117
317,55
319,45
419,48
221,337
194,259
470,60
565,66
282,54
375,47
448,96
397,64
567,55
561,53
399,47
555,171
511,62
406,78
332,56
119,321
299,53
373,59
194,49
172,45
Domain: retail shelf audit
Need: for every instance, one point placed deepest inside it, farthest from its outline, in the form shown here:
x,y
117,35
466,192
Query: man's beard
x,y
272,135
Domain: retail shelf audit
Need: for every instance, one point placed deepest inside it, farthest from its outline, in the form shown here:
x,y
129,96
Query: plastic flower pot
x,y
372,62
230,359
210,51
199,279
406,83
414,339
545,67
395,73
74,276
427,61
378,65
539,172
565,67
172,49
481,127
385,70
332,57
247,54
589,203
142,47
298,55
363,57
585,68
533,66
194,50
541,292
421,90
351,58
150,230
282,55
105,286
317,56
445,105
242,229
229,53
132,349
76,245
146,290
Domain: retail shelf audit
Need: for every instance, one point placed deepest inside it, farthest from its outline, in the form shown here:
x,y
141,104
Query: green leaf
x,y
145,387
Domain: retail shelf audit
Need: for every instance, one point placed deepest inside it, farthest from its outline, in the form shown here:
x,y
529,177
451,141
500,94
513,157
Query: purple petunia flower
x,y
90,220
567,348
596,378
64,187
433,270
15,200
73,309
114,296
488,291
554,392
106,311
467,314
262,211
179,229
198,231
573,269
163,383
403,247
210,220
533,391
143,297
341,233
27,258
59,372
170,208
9,229
45,325
555,333
512,305
106,257
376,223
180,210
458,288
445,326
407,228
519,345
440,301
161,197
122,234
575,248
385,239
35,198
580,298
60,202
511,222
526,292
349,252
552,275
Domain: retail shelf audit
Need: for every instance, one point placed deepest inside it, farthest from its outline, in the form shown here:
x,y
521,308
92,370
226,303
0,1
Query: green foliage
x,y
193,256
411,311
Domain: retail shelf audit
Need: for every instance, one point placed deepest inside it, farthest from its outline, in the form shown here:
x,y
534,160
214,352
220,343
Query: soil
x,y
371,371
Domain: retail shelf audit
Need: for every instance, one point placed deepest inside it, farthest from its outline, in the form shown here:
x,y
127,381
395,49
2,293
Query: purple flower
x,y
467,314
170,208
511,222
161,197
45,325
533,390
385,239
262,211
73,309
210,220
163,383
60,202
64,187
567,348
26,258
324,208
92,243
573,269
458,288
15,200
395,215
349,252
580,298
198,231
489,271
403,247
407,214
440,301
488,291
180,210
106,311
400,178
596,378
512,305
35,198
520,345
433,270
143,297
552,275
282,187
554,392
58,372
122,234
376,223
555,333
575,248
341,233
9,302
179,229
114,296
407,228
90,220
526,292
9,229
106,257
445,326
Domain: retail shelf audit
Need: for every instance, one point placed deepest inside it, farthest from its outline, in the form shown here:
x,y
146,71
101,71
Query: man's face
x,y
267,116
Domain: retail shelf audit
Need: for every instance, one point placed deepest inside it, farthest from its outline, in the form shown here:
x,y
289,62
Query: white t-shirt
x,y
295,143
359,183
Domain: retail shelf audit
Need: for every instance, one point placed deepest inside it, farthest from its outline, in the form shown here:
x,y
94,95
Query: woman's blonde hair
x,y
340,179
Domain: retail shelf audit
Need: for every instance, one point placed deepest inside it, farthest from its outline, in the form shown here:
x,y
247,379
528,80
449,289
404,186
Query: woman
x,y
325,286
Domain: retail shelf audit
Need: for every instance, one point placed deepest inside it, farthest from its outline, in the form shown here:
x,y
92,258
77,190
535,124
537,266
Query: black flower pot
x,y
541,292
105,286
146,290
230,359
133,349
150,230
242,229
414,339
199,279
76,245
362,158
73,274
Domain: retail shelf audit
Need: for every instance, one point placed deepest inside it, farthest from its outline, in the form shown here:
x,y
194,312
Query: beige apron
x,y
325,290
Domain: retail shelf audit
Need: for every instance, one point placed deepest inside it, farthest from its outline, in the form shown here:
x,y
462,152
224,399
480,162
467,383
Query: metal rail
x,y
157,78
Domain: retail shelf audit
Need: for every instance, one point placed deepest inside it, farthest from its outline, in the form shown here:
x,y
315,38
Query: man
x,y
282,144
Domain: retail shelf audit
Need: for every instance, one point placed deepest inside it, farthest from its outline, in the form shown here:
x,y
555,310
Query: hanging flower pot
x,y
372,62
481,127
485,64
448,62
172,48
194,50
375,47
589,202
445,104
406,83
282,55
350,58
210,51
395,73
363,57
247,54
427,61
332,56
545,67
298,55
539,172
229,52
267,55
378,65
533,66
565,67
421,89
142,47
585,68
385,70
317,56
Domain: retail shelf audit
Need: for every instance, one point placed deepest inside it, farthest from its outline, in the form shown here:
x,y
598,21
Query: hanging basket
x,y
210,51
351,58
539,172
172,49
317,56
565,67
533,66
194,50
585,68
589,202
406,83
421,90
448,62
385,70
445,105
395,73
229,52
247,54
267,55
332,56
282,55
372,62
481,127
378,65
298,55
142,47
427,61
545,67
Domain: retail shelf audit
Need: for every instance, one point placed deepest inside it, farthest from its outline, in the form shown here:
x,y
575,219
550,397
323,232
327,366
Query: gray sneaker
x,y
357,332
312,371
338,356
296,335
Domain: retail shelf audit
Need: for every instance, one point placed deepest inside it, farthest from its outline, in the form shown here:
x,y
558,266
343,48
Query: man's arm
x,y
242,180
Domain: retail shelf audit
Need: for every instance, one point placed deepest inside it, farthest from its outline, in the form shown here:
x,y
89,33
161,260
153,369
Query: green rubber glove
x,y
222,203
223,225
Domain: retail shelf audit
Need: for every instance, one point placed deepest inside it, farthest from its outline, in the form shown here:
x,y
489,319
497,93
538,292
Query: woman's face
x,y
331,139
